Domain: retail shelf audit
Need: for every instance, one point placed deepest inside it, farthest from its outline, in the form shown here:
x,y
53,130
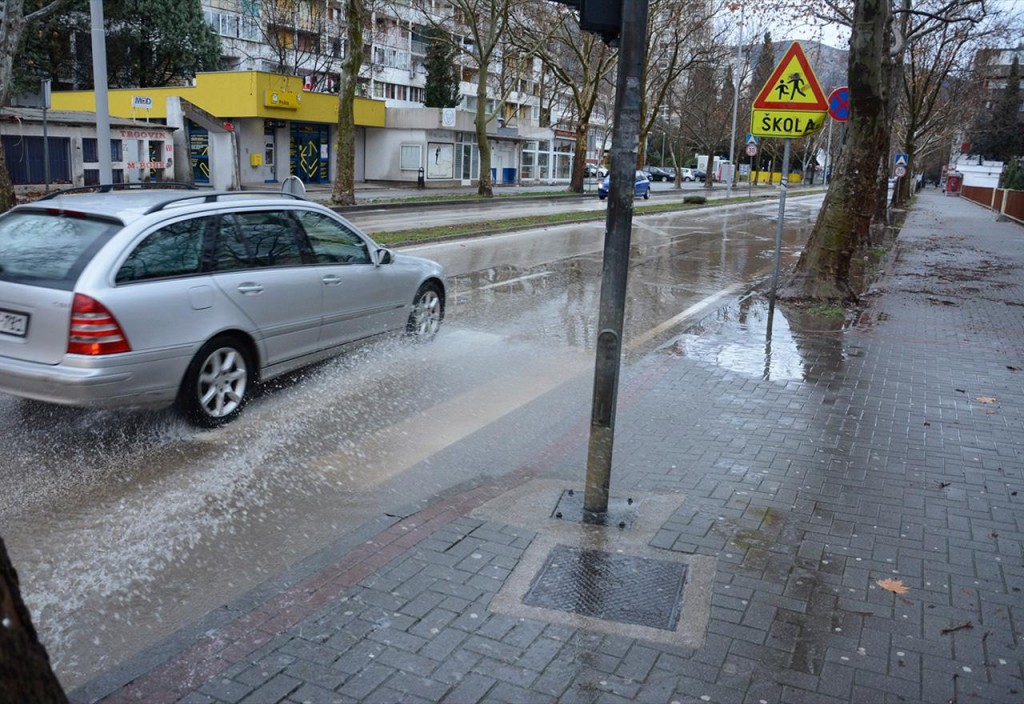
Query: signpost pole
x,y
778,234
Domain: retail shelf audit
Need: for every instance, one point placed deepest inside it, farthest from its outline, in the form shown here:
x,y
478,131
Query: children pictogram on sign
x,y
792,85
795,80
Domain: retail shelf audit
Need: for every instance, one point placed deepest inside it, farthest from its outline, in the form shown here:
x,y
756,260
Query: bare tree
x,y
929,99
302,37
831,265
578,61
477,29
680,36
706,111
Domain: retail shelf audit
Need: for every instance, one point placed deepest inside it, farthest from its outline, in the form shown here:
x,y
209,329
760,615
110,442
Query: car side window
x,y
331,241
173,250
257,239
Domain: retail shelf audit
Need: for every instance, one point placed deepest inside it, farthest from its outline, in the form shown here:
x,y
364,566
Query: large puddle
x,y
801,345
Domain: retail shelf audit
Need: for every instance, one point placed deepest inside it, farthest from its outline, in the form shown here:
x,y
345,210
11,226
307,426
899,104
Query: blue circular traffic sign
x,y
839,104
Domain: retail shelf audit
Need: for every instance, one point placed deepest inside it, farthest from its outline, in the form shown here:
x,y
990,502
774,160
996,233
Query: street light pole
x,y
735,105
99,77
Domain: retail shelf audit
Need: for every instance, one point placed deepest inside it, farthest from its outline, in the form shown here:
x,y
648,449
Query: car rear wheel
x,y
217,383
647,194
426,315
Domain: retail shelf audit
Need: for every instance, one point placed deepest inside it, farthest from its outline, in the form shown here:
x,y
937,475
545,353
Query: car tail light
x,y
94,331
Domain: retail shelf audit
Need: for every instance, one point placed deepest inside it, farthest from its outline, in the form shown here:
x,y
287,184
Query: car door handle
x,y
332,280
250,288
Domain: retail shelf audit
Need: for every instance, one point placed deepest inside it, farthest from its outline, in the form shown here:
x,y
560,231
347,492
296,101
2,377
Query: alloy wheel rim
x,y
222,382
428,314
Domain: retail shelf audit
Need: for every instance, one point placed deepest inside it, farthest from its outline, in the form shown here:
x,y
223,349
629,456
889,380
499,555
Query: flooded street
x,y
124,526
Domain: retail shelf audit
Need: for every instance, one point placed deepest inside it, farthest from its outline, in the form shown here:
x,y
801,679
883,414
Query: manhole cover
x,y
609,586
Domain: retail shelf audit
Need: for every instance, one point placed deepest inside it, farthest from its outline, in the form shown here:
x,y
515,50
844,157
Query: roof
x,y
134,201
69,117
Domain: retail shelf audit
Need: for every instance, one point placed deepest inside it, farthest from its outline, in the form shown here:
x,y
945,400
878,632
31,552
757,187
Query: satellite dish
x,y
293,186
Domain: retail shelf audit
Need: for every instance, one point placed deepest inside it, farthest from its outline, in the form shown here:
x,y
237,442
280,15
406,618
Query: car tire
x,y
601,197
217,384
647,194
426,314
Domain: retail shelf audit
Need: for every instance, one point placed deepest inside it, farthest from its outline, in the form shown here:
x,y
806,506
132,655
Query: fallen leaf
x,y
962,626
893,585
985,399
1012,368
943,485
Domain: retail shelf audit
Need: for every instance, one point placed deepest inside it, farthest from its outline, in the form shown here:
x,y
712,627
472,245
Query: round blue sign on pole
x,y
839,104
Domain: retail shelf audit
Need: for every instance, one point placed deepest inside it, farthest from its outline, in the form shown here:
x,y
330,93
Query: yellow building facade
x,y
239,128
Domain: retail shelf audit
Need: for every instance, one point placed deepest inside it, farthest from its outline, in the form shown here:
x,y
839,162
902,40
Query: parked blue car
x,y
642,186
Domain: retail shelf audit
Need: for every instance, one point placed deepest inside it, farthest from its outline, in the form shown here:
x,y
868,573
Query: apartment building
x,y
306,38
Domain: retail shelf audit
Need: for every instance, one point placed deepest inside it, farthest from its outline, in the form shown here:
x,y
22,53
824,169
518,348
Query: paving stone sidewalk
x,y
859,495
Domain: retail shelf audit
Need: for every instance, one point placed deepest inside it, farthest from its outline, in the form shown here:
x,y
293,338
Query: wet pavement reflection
x,y
802,346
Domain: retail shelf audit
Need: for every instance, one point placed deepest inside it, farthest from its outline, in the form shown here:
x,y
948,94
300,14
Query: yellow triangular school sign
x,y
791,104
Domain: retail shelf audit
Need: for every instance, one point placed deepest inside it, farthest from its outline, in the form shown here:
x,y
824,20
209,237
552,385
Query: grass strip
x,y
468,229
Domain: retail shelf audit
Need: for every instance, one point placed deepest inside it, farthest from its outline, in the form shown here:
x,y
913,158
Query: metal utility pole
x,y
625,135
46,137
99,77
735,108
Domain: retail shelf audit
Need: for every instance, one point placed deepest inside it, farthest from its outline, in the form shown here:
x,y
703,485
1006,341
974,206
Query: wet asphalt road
x,y
126,525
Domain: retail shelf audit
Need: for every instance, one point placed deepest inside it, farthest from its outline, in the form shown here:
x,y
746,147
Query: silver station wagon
x,y
156,297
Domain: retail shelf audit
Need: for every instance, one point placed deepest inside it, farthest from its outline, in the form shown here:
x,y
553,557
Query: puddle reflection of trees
x,y
800,344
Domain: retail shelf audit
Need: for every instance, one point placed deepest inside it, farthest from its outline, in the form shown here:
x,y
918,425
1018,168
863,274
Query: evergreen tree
x,y
149,43
442,87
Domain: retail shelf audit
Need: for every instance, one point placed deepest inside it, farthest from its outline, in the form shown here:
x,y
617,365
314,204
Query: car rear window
x,y
49,249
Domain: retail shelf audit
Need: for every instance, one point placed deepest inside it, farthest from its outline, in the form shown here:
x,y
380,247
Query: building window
x,y
90,154
411,157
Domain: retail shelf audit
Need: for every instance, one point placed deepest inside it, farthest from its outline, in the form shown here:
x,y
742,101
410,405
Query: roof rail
x,y
221,195
108,187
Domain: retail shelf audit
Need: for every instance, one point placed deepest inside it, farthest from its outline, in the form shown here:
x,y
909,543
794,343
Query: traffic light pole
x,y
618,226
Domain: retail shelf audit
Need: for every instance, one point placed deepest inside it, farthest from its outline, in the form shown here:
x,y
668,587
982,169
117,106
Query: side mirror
x,y
383,256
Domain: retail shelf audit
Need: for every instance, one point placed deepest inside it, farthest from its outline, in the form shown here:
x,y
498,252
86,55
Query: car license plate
x,y
12,323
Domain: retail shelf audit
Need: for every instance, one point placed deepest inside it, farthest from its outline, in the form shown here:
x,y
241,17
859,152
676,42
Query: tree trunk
x,y
579,163
344,190
826,270
25,672
486,185
7,198
12,24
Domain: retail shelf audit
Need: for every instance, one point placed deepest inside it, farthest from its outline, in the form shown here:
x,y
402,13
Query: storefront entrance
x,y
310,150
199,152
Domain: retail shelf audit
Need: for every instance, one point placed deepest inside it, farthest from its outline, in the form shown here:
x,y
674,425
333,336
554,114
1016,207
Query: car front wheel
x,y
426,315
217,383
647,194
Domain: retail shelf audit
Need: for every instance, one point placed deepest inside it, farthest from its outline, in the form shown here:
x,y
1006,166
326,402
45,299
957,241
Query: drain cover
x,y
609,586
